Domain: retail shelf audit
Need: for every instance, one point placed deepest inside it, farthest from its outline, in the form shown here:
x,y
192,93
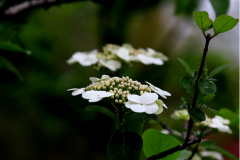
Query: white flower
x,y
95,96
181,114
162,93
144,103
218,122
123,53
113,65
196,157
212,154
95,80
76,91
145,59
85,59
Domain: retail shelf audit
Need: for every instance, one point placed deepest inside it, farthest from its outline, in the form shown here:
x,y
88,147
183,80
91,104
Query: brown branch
x,y
172,150
10,13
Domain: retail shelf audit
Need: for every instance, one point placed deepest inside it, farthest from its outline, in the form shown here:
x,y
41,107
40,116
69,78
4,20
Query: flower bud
x,y
112,97
117,95
116,100
129,88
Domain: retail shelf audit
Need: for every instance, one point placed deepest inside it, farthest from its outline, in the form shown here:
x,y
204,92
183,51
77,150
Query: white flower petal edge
x,y
113,65
148,98
213,154
95,96
76,91
123,53
85,59
162,93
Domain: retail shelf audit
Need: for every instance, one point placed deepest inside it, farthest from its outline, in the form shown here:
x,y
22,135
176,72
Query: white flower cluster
x,y
124,91
211,154
218,123
113,56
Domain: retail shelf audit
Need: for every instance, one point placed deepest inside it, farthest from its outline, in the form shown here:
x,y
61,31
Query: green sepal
x,y
218,69
211,110
206,86
101,109
196,114
187,82
188,69
224,23
125,146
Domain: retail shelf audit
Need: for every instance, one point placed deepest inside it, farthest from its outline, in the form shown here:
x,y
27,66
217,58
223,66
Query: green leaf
x,y
184,155
7,65
212,79
187,101
188,69
185,6
206,144
197,114
217,70
211,110
224,23
209,27
208,98
10,47
134,121
187,82
155,142
202,19
206,87
139,116
220,6
184,106
200,98
125,146
101,109
223,151
233,117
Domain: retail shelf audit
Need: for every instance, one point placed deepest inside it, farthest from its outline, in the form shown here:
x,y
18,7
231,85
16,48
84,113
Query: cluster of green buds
x,y
126,92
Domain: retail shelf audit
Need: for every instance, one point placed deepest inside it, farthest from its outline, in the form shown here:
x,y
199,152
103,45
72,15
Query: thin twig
x,y
193,153
165,126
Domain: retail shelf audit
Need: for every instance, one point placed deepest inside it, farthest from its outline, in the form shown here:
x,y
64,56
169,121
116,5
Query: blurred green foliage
x,y
40,120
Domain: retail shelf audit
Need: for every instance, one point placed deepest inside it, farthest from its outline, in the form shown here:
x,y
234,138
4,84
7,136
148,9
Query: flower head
x,y
85,59
181,114
95,96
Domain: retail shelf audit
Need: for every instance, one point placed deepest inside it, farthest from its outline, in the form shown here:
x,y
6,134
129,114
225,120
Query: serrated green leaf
x,y
202,19
7,65
155,142
187,82
218,69
206,87
220,6
211,110
188,69
125,146
224,23
184,155
10,47
233,117
206,144
208,98
223,151
187,101
101,109
184,106
196,114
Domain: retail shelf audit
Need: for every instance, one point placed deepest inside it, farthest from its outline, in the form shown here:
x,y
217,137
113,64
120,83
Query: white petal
x,y
94,99
113,65
73,89
123,53
77,92
148,98
93,79
164,105
138,108
151,51
128,104
105,77
157,61
151,108
134,98
104,94
162,93
89,95
144,59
